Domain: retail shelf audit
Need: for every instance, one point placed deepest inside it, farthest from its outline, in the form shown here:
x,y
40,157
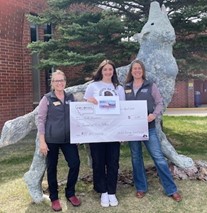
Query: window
x,y
33,32
47,32
35,71
47,37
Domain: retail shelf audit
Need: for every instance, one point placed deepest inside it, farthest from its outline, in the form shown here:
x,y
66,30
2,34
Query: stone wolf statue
x,y
156,40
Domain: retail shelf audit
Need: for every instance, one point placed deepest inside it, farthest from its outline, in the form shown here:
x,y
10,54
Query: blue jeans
x,y
154,149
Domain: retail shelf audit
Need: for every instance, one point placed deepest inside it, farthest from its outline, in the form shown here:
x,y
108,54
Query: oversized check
x,y
87,127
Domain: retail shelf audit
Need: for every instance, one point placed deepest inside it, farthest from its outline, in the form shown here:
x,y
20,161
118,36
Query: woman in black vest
x,y
54,134
138,88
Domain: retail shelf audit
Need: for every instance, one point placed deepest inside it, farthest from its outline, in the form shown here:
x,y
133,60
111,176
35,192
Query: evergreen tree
x,y
86,37
189,19
81,36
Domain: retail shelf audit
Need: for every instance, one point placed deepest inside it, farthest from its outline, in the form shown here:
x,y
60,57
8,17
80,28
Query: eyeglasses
x,y
59,81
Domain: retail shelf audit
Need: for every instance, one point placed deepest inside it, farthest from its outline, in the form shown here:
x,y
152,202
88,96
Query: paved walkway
x,y
198,111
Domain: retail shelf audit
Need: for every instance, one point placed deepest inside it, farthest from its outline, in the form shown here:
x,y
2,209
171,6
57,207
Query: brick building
x,y
189,93
21,85
16,93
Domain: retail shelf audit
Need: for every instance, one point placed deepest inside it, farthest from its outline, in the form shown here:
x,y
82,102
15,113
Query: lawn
x,y
188,136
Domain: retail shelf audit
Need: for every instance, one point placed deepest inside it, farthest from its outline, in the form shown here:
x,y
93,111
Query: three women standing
x,y
53,128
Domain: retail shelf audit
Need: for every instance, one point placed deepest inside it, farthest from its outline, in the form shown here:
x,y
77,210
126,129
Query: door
x,y
201,86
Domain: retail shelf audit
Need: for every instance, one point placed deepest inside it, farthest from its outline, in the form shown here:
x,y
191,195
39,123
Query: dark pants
x,y
105,162
70,152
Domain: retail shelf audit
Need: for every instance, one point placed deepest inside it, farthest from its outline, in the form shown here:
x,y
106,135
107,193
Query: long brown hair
x,y
129,77
98,74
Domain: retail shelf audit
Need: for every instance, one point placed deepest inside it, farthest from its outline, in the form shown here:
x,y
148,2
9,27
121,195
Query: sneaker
x,y
74,201
104,200
113,200
56,205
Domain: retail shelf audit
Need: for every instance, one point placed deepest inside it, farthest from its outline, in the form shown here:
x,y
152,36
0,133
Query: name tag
x,y
128,91
56,103
144,90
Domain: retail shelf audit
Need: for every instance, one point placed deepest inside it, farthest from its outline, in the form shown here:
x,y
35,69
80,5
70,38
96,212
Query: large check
x,y
88,127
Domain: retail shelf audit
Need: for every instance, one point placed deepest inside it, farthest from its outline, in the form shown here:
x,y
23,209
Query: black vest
x,y
57,128
144,93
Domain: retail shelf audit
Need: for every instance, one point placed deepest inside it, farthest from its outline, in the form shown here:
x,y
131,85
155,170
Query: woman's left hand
x,y
151,117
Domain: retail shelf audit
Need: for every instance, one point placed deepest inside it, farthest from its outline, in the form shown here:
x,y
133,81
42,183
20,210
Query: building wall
x,y
183,95
15,59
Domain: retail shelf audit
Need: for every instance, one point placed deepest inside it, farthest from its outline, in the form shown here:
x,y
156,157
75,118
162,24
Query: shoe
x,y
176,196
113,200
104,200
56,205
140,194
74,201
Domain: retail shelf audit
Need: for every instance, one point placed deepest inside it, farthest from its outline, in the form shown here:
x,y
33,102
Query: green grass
x,y
188,136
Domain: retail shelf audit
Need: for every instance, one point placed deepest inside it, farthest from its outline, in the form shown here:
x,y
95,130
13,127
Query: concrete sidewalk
x,y
198,111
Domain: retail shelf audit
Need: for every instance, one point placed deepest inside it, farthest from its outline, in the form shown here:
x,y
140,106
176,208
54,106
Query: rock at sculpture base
x,y
197,172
